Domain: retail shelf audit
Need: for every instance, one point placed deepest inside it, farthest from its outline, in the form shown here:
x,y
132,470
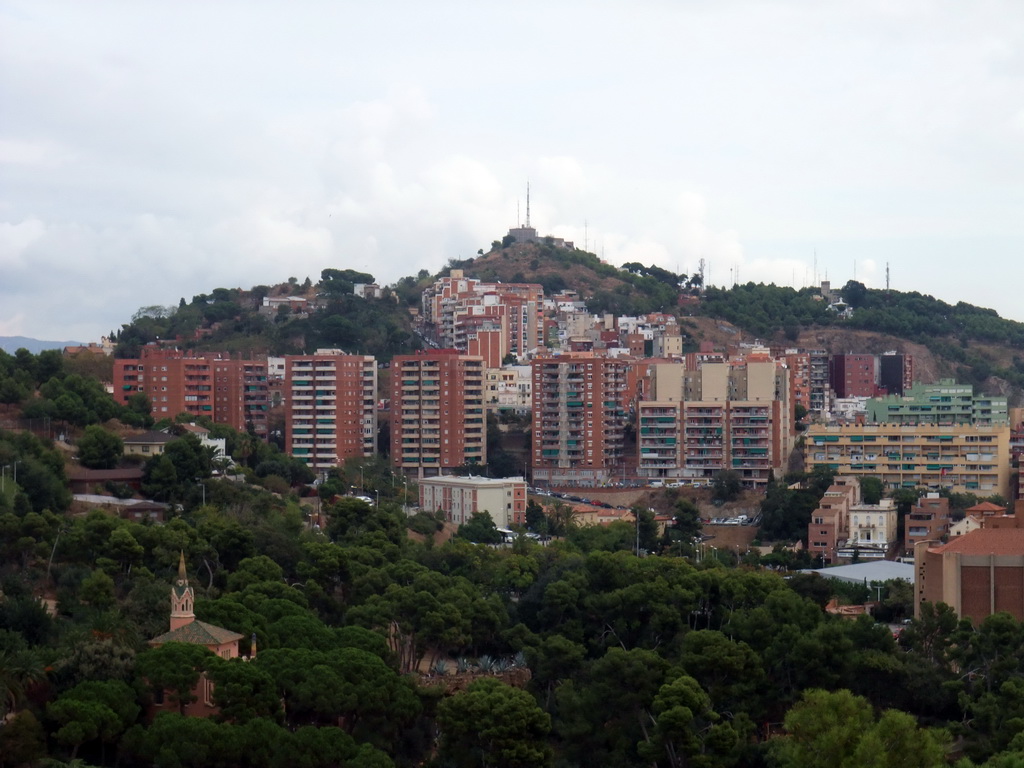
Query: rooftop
x,y
986,541
860,573
197,633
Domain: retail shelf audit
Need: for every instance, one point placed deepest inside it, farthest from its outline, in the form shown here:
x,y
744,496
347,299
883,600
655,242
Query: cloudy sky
x,y
156,150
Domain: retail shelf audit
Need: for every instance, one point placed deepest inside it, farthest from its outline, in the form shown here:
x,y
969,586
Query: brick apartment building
x,y
491,320
228,391
579,419
928,520
721,416
437,412
330,407
853,375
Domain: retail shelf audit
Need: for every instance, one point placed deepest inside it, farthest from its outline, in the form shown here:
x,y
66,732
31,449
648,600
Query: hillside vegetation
x,y
977,343
971,343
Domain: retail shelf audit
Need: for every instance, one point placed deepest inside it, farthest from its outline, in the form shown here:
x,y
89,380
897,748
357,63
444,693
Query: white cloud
x,y
151,153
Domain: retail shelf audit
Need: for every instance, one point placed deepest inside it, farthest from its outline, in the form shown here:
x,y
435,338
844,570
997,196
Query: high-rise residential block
x,y
228,391
895,372
853,375
437,412
579,419
330,407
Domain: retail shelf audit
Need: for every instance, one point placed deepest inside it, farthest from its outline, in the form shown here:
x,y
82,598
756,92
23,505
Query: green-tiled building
x,y
943,403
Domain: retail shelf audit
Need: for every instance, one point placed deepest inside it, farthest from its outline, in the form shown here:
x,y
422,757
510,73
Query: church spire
x,y
183,598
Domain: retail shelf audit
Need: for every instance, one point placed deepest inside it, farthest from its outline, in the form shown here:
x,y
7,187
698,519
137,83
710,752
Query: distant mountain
x,y
11,344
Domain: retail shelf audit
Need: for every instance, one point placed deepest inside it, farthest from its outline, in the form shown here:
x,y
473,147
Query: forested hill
x,y
322,315
976,343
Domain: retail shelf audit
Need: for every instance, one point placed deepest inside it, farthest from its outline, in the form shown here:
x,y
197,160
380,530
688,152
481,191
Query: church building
x,y
185,628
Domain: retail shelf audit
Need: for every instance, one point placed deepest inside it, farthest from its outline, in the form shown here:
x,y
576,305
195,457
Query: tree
x,y
96,709
872,489
480,528
174,668
493,725
686,522
726,485
99,449
838,730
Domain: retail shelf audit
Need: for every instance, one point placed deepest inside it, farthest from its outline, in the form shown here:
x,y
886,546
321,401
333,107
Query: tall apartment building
x,y
579,419
944,403
721,416
853,375
437,412
228,391
799,364
820,389
330,407
960,458
896,372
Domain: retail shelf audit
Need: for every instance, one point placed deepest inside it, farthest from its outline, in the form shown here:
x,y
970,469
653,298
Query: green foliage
x,y
99,449
493,724
480,528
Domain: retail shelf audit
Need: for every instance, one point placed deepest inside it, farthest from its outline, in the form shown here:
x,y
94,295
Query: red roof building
x,y
977,574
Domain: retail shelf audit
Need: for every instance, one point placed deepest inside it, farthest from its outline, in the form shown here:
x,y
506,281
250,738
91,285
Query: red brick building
x,y
228,391
437,412
330,407
580,411
853,375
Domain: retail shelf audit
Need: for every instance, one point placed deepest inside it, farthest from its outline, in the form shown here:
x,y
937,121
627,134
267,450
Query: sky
x,y
152,151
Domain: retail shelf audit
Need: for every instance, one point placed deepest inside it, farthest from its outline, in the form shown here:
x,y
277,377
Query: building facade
x,y
721,416
928,520
330,407
459,497
853,375
438,420
943,403
977,574
580,412
225,390
960,459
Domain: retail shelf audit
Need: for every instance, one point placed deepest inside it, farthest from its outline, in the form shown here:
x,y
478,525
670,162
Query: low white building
x,y
459,497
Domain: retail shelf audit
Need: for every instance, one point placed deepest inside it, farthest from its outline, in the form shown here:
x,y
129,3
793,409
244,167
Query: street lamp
x,y
405,496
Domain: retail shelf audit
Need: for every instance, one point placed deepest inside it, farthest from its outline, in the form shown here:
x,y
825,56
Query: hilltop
x,y
961,341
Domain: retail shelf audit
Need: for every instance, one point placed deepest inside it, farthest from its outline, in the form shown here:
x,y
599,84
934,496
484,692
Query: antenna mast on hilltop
x,y
887,276
702,283
527,204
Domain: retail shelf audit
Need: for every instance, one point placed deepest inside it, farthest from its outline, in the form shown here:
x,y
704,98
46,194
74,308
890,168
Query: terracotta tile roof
x,y
197,633
986,541
986,506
